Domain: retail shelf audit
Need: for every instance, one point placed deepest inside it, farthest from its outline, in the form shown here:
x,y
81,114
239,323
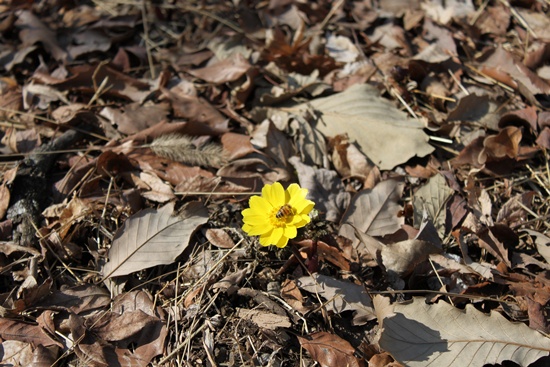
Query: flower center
x,y
282,216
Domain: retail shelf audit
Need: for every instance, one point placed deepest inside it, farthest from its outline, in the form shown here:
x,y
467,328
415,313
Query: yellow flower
x,y
277,214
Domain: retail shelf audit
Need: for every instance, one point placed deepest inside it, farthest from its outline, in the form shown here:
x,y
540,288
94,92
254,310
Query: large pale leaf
x,y
341,296
431,198
383,132
375,211
418,334
151,237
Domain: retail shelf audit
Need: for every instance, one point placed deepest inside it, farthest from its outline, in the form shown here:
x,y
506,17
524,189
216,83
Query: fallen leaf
x,y
324,188
224,71
368,120
263,319
542,242
432,198
292,295
402,257
83,298
419,334
219,238
330,350
16,353
341,296
151,237
25,332
374,212
33,31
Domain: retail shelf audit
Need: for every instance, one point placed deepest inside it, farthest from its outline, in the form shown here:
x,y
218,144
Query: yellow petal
x,y
260,204
290,231
264,239
305,207
276,235
298,199
275,194
282,242
257,230
253,218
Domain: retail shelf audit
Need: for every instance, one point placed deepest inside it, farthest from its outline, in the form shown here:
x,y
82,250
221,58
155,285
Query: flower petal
x,y
256,230
276,196
305,207
276,235
261,204
264,239
290,231
282,242
298,199
254,217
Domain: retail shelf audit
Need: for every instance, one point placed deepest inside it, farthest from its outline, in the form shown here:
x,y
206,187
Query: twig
x,y
507,87
147,39
519,18
398,96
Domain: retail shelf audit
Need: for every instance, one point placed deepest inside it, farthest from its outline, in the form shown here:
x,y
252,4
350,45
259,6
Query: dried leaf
x,y
374,212
149,238
418,334
432,198
16,353
542,242
402,257
330,350
79,299
325,189
25,332
341,296
224,71
368,120
263,319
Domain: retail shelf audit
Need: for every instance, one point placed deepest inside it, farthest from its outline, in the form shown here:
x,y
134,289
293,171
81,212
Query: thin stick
x,y
398,96
147,39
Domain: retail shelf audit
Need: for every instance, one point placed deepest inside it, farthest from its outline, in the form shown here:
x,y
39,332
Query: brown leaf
x,y
219,238
126,327
420,334
89,348
224,71
25,332
135,117
230,283
120,85
503,66
504,144
497,240
263,319
514,212
10,93
330,350
402,257
375,211
78,299
526,117
328,253
33,31
16,353
340,295
195,110
236,145
292,295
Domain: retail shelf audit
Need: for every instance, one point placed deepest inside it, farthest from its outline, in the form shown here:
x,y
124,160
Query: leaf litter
x,y
133,135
